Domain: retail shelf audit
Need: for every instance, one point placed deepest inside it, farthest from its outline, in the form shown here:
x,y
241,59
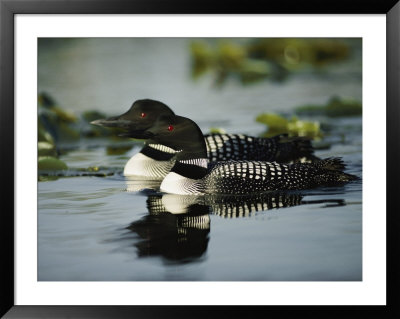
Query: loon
x,y
154,161
194,174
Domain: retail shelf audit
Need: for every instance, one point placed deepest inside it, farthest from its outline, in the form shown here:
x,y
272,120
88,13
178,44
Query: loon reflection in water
x,y
180,238
177,227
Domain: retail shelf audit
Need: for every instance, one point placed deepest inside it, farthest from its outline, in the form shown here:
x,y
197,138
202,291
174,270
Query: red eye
x,y
170,128
143,115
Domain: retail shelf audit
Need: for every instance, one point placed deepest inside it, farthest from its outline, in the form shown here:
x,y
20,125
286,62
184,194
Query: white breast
x,y
146,167
177,184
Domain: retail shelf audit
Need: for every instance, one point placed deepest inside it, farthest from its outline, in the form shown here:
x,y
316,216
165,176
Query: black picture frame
x,y
8,10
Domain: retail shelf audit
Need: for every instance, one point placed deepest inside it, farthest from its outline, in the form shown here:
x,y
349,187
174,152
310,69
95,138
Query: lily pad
x,y
50,163
274,121
216,130
47,178
277,124
343,107
46,100
303,128
46,149
335,107
43,135
202,58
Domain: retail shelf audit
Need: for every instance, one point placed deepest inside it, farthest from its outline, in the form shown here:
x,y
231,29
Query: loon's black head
x,y
141,116
178,133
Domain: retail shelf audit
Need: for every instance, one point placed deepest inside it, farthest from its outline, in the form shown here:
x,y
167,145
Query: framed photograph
x,y
166,159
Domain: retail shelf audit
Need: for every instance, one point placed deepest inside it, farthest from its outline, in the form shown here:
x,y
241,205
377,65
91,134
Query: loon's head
x,y
179,133
141,116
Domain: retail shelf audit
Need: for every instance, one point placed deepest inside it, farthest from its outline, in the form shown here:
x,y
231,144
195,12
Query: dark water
x,y
112,228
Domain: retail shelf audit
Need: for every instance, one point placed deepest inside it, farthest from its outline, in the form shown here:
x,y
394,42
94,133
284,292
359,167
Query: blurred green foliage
x,y
57,126
297,53
51,163
277,124
260,59
335,107
216,130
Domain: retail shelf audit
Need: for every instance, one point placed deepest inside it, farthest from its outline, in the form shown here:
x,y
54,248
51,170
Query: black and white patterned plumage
x,y
247,177
280,148
222,147
152,162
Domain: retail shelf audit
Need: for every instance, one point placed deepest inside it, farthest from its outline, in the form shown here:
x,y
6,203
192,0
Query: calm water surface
x,y
112,228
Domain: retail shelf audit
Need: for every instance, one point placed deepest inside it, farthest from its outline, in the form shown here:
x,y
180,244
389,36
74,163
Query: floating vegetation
x,y
51,175
297,53
57,128
277,124
60,125
216,130
335,107
50,163
46,149
47,178
228,59
54,121
260,59
43,135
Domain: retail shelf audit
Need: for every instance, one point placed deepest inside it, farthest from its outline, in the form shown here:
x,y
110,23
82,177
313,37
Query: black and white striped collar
x,y
202,162
163,148
158,152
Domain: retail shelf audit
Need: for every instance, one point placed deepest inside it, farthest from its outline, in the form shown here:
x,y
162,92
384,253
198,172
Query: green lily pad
x,y
274,121
335,107
202,58
277,124
303,128
216,130
230,55
338,107
50,163
252,70
46,100
43,135
46,149
64,116
47,178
